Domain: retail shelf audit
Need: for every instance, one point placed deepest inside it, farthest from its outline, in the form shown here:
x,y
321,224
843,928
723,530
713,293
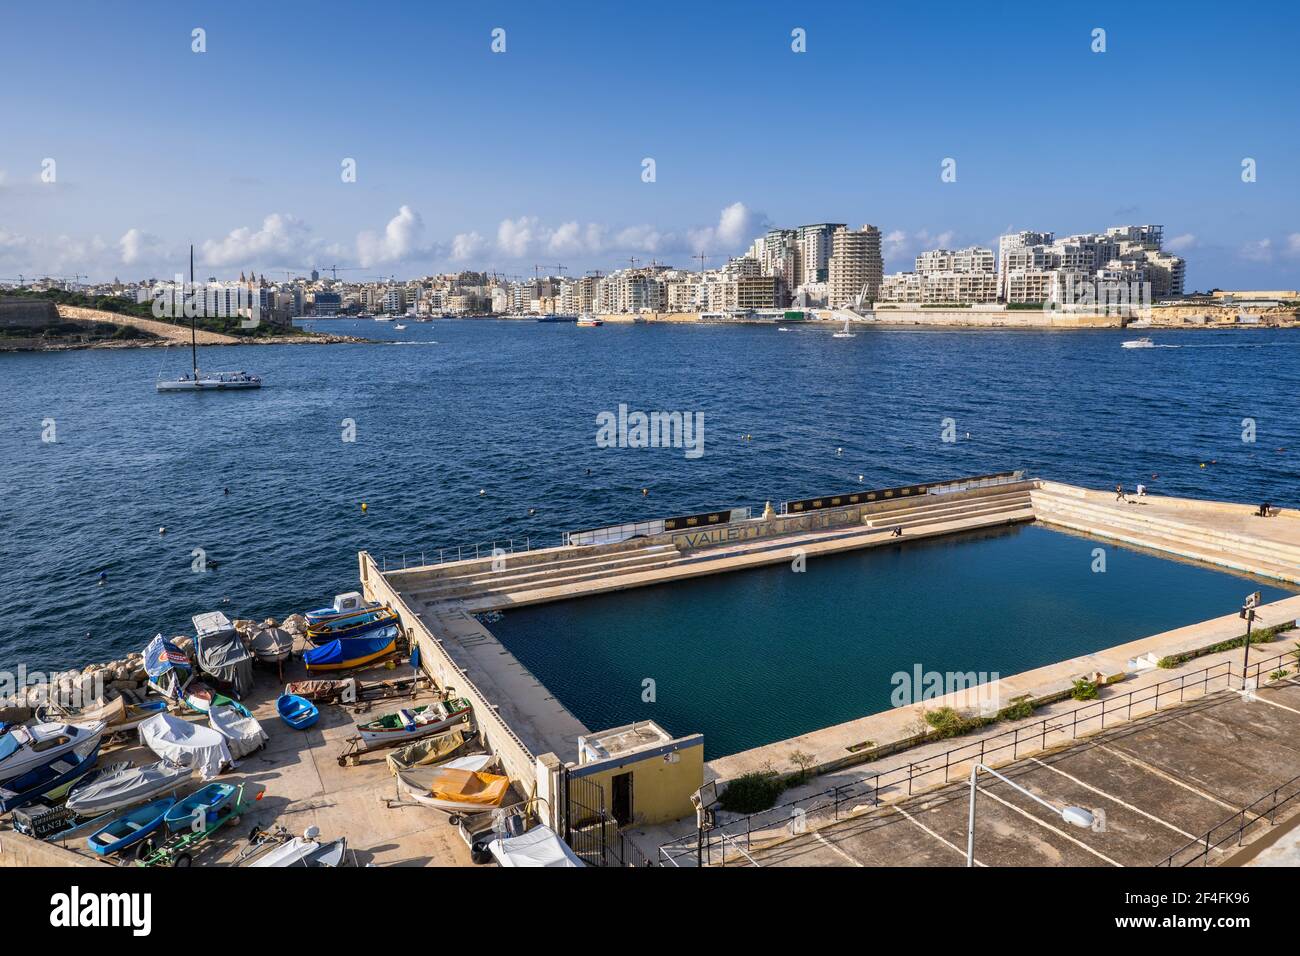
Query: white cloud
x,y
137,246
400,240
467,245
898,245
737,226
516,236
1293,245
1261,250
279,241
1181,243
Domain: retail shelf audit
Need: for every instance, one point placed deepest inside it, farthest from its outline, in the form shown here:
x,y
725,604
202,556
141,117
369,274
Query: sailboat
x,y
844,333
207,381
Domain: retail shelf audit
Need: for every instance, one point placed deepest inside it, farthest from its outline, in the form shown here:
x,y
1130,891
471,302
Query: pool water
x,y
752,657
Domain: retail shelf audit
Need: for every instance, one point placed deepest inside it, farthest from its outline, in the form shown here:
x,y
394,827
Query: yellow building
x,y
645,775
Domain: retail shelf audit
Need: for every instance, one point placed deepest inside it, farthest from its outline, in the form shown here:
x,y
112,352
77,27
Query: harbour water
x,y
757,656
266,486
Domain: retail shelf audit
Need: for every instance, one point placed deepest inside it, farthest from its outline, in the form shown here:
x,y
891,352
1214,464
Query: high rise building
x,y
855,267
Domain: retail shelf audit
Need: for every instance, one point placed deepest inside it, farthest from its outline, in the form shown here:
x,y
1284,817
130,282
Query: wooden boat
x,y
125,786
27,748
353,624
323,690
428,751
344,604
296,712
207,802
56,774
412,722
454,787
118,714
271,645
130,828
346,653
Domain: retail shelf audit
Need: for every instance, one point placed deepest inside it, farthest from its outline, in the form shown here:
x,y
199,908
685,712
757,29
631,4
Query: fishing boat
x,y
456,789
428,751
345,653
125,786
130,828
221,654
24,749
205,803
271,645
412,722
400,328
589,321
344,604
1142,343
844,333
56,774
205,381
352,625
297,712
118,714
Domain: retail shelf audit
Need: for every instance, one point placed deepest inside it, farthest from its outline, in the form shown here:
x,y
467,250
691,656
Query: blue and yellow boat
x,y
345,653
352,625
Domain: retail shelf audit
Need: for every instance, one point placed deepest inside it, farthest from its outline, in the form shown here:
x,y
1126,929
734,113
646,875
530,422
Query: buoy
x,y
645,492
839,451
364,506
532,511
103,577
1202,464
859,477
482,492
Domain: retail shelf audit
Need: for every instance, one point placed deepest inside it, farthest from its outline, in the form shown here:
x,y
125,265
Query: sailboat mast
x,y
194,351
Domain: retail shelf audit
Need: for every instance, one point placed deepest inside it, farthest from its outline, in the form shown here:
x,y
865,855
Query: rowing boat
x,y
130,828
202,805
455,786
412,722
346,653
297,712
352,625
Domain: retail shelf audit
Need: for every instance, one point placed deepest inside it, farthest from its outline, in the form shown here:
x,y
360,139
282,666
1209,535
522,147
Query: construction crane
x,y
701,256
335,270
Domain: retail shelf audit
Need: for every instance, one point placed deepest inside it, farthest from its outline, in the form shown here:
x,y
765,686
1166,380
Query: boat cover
x,y
540,846
167,666
126,786
242,731
271,644
187,744
430,750
323,691
223,655
466,788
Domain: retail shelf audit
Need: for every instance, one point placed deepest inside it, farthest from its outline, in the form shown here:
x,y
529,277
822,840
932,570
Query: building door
x,y
621,788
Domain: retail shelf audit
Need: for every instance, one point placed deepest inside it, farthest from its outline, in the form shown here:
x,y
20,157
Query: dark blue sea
x,y
265,485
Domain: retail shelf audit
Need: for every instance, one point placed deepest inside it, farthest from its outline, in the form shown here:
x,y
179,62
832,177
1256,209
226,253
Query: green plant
x,y
752,792
947,722
1172,661
805,763
1278,674
1017,710
1084,690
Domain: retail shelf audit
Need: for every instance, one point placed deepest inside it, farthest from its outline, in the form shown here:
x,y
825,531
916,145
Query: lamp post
x,y
1076,816
1248,612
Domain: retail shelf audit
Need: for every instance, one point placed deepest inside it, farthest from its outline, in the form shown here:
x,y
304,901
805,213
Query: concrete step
x,y
540,556
939,503
511,572
1272,552
556,581
1149,539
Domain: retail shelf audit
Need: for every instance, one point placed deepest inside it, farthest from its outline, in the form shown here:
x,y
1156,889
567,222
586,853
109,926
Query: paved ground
x,y
1161,782
304,785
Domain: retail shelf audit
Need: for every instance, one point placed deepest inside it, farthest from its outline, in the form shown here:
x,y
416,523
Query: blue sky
x,y
468,158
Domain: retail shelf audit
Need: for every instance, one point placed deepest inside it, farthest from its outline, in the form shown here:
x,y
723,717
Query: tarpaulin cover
x,y
223,655
187,744
430,750
242,731
540,846
271,644
126,786
469,787
167,666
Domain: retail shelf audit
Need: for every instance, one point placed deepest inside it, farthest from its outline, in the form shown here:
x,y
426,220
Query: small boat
x,y
412,722
455,789
57,774
200,697
241,729
186,743
28,748
589,321
323,690
352,625
346,653
540,846
207,803
205,381
297,712
783,329
130,828
844,333
117,713
428,751
1142,343
344,604
305,850
400,328
126,786
385,318
271,645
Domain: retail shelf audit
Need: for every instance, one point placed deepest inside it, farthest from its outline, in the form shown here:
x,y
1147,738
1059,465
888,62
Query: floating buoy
x,y
364,506
645,492
1202,464
860,478
532,511
482,492
839,451
162,530
103,577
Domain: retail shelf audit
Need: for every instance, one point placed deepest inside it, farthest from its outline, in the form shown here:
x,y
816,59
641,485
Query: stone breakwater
x,y
99,684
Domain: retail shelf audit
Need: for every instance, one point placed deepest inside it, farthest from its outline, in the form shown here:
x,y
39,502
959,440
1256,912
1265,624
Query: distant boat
x,y
844,333
783,329
589,321
1142,343
400,328
557,318
385,318
205,381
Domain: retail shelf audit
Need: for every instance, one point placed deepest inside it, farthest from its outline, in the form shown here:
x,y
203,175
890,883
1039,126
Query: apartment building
x,y
814,242
855,266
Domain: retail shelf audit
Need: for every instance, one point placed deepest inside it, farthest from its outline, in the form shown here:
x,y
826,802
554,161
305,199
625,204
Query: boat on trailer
x,y
412,722
455,787
130,828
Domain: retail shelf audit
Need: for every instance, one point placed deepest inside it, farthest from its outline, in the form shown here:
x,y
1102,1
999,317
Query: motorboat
x,y
1142,343
589,321
305,850
24,749
125,786
540,846
344,604
54,774
412,722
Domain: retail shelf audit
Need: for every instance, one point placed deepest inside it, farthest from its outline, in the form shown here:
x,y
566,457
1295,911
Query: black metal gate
x,y
590,830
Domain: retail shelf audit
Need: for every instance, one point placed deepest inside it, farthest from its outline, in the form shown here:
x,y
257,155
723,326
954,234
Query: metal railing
x,y
794,816
466,552
1197,853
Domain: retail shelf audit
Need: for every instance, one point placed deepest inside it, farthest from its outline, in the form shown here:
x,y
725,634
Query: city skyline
x,y
501,161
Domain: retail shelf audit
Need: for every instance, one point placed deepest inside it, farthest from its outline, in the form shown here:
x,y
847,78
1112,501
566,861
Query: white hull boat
x,y
302,851
413,722
1142,343
127,786
26,748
